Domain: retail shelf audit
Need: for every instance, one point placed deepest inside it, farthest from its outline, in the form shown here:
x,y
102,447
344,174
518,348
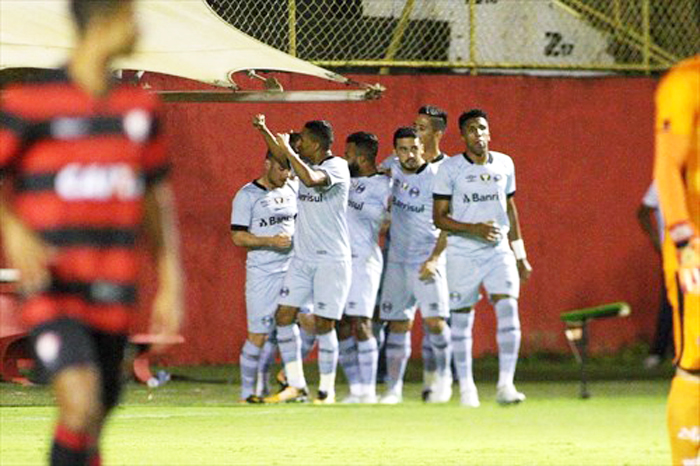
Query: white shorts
x,y
497,271
403,290
324,284
366,275
262,291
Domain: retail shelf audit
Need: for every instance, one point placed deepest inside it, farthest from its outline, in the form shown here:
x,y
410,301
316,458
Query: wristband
x,y
518,249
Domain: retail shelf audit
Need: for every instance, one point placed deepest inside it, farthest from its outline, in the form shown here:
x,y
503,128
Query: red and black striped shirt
x,y
79,167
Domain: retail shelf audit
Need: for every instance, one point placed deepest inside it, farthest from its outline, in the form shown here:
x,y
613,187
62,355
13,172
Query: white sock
x,y
267,358
307,342
398,351
327,360
508,338
462,323
428,356
289,343
368,358
442,349
250,355
348,359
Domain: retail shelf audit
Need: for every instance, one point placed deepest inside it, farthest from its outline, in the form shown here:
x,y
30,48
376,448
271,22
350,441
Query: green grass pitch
x,y
187,423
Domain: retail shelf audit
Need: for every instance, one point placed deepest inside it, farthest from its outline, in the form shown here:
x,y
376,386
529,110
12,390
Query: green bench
x,y
577,332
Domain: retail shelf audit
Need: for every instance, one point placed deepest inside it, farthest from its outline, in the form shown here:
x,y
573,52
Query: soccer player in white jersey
x,y
320,270
262,221
474,202
415,270
367,211
431,125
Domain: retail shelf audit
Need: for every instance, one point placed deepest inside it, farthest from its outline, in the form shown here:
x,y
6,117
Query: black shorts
x,y
62,343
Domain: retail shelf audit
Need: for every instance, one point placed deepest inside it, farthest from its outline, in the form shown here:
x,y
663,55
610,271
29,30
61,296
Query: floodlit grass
x,y
188,422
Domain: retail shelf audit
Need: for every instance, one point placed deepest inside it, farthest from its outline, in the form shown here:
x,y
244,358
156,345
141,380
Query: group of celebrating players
x,y
312,225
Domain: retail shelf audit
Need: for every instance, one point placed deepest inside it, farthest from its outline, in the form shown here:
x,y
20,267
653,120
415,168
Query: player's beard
x,y
354,169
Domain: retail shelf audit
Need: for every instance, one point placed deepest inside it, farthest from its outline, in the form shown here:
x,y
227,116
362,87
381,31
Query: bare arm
x,y
515,237
644,216
441,217
275,149
160,225
429,267
248,240
306,174
24,250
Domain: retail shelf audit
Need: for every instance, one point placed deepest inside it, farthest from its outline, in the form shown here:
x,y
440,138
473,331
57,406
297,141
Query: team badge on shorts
x,y
455,296
284,291
267,321
47,347
387,306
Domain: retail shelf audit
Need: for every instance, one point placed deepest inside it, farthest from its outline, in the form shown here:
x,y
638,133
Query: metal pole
x,y
647,34
584,357
398,34
292,27
472,36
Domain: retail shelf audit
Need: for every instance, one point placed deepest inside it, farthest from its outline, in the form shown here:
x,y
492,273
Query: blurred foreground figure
x,y
677,177
87,166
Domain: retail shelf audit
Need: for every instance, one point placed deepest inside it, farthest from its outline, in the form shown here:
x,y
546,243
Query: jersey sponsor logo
x,y
98,182
310,197
408,207
275,220
691,434
355,205
358,187
476,197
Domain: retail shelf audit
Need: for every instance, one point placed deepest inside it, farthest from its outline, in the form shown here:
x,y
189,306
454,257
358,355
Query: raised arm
x,y
275,149
309,176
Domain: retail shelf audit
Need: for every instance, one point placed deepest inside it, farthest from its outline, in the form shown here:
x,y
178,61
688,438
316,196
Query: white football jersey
x,y
322,229
367,209
478,194
265,213
413,233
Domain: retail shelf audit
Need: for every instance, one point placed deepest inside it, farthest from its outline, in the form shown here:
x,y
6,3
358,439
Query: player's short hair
x,y
294,139
405,132
269,156
84,11
438,117
366,143
321,131
470,114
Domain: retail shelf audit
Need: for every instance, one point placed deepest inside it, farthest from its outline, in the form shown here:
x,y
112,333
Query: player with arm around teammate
x,y
320,270
474,202
367,211
415,270
89,170
262,221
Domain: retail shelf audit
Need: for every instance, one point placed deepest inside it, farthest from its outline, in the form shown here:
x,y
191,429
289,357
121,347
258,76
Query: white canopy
x,y
181,38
